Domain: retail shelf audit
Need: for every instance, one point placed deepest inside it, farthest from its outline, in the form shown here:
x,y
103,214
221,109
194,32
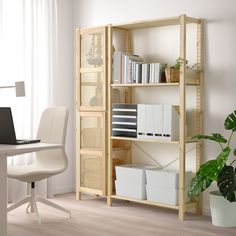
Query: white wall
x,y
64,91
219,43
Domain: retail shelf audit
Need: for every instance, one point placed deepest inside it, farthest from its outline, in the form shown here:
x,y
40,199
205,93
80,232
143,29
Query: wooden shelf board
x,y
91,151
145,85
143,140
188,140
90,190
145,202
155,23
91,69
189,82
188,205
93,84
94,109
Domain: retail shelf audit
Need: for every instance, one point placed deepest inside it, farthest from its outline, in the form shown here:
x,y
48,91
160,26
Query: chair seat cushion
x,y
31,173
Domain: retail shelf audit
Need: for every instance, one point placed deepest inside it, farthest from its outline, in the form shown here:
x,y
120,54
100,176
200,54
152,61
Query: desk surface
x,y
11,150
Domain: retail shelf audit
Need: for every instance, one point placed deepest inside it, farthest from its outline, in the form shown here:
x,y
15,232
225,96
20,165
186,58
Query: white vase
x,y
223,213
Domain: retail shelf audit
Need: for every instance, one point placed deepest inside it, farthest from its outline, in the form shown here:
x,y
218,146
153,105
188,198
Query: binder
x,y
141,122
117,68
158,121
150,121
170,123
175,123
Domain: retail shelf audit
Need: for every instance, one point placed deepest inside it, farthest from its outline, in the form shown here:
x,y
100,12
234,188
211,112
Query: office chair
x,y
52,129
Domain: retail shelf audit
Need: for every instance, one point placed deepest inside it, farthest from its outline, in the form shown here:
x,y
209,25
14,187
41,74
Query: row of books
x,y
131,69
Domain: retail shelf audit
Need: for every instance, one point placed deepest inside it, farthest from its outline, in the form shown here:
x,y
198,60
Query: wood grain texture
x,y
92,216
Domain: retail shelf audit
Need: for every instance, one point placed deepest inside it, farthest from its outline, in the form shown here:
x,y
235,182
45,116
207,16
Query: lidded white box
x,y
166,178
163,186
131,180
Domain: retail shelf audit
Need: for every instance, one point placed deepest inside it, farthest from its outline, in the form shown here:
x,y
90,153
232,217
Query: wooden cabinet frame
x,y
91,111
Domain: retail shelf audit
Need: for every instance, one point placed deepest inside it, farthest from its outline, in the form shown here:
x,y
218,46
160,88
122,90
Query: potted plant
x,y
172,73
222,202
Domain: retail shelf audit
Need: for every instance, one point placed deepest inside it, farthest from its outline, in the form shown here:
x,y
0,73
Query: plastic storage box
x,y
163,186
131,181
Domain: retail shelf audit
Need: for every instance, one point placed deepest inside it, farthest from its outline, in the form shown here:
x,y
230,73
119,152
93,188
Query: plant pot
x,y
172,75
223,213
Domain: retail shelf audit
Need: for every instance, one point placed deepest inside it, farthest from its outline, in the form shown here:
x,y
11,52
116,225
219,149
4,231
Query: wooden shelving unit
x,y
97,151
127,28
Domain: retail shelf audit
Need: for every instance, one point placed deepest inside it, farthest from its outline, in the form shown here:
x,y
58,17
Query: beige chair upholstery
x,y
52,129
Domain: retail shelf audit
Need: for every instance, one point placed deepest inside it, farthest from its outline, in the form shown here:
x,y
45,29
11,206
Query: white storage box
x,y
126,189
163,186
166,178
131,180
168,196
134,173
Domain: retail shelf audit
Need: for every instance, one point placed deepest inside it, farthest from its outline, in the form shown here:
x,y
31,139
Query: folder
x,y
166,133
158,121
141,124
170,123
150,121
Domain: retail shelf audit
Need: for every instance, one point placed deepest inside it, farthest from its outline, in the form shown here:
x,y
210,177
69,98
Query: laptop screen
x,y
7,131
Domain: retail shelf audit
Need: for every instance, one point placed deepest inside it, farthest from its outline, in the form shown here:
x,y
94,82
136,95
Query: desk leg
x,y
3,195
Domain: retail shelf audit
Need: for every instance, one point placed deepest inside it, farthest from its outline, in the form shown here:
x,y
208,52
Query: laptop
x,y
7,130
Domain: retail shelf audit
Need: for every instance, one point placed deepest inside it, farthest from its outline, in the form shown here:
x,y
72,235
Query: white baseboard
x,y
63,189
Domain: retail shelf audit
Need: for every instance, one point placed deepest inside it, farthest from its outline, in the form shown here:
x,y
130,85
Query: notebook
x,y
7,130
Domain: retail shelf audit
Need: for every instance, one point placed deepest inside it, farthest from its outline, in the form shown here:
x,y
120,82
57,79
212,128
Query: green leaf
x,y
227,183
210,170
214,137
207,173
230,122
223,157
198,184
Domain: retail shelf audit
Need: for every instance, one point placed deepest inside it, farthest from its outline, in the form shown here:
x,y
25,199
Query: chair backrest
x,y
53,125
52,129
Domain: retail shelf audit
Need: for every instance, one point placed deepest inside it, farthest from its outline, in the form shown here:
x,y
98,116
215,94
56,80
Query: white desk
x,y
12,150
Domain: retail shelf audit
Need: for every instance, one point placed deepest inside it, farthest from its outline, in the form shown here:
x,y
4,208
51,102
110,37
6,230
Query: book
x,y
124,67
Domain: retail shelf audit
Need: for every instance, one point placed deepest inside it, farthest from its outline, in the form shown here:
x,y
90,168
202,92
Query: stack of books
x,y
131,69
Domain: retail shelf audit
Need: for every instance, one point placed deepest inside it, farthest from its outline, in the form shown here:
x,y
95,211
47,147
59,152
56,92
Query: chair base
x,y
32,199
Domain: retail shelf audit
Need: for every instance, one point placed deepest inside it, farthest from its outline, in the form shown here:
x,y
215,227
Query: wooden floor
x,y
92,217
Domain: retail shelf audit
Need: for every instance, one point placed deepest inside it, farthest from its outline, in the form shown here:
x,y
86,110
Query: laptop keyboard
x,y
27,141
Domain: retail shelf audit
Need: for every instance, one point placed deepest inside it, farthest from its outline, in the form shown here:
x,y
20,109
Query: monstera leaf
x,y
207,173
223,157
227,183
198,184
210,169
230,121
214,137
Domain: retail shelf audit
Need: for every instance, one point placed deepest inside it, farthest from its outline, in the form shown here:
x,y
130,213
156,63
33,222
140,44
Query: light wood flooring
x,y
92,217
